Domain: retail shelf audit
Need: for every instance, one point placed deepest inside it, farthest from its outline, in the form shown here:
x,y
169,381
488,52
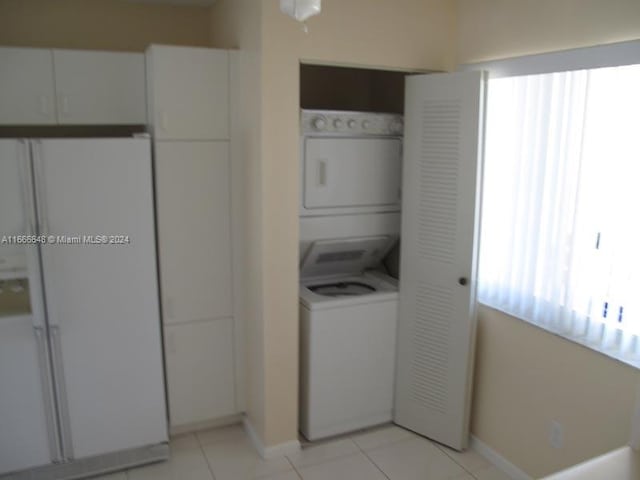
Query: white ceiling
x,y
201,3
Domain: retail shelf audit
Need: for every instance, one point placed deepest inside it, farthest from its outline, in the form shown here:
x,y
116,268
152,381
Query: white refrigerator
x,y
81,372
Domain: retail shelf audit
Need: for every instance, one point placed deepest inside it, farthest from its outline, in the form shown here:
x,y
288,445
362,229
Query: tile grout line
x,y
294,468
435,444
370,460
209,466
442,449
393,442
342,455
206,459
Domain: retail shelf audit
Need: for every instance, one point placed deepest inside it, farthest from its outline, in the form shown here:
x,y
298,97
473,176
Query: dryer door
x,y
351,172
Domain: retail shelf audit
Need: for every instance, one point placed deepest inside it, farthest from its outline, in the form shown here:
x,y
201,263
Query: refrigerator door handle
x,y
35,287
38,167
55,449
61,393
31,249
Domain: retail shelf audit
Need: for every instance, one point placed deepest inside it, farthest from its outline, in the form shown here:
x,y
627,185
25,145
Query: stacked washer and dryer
x,y
351,177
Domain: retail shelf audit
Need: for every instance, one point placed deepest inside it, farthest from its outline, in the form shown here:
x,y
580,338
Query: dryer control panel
x,y
358,124
351,162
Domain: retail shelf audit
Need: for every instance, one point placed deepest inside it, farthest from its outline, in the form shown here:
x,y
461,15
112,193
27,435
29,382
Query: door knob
x,y
462,281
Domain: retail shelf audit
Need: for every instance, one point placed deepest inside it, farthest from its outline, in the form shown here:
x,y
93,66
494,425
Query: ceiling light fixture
x,y
301,10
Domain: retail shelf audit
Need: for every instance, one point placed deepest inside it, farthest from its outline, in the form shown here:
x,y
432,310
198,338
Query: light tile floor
x,y
385,453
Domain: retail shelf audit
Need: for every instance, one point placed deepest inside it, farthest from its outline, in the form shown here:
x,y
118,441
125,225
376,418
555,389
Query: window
x,y
560,238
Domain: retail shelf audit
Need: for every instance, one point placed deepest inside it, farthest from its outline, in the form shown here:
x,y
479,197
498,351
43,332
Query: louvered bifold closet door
x,y
436,327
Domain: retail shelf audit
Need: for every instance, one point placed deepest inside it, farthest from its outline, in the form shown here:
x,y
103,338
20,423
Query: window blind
x,y
560,229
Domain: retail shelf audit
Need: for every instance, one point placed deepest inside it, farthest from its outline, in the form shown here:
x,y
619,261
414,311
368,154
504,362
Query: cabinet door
x,y
189,93
100,87
436,322
200,376
194,238
26,87
102,298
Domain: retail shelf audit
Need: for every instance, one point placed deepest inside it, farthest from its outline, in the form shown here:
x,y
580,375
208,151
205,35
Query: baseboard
x,y
207,424
95,465
268,452
498,460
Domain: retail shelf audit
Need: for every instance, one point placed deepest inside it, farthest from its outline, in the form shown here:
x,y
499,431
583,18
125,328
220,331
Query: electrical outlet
x,y
556,434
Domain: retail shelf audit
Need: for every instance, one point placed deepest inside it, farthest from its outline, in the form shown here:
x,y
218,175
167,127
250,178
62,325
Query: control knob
x,y
366,124
319,123
338,124
351,123
396,126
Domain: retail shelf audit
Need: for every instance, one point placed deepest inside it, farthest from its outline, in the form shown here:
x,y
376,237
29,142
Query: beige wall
x,y
236,24
526,377
403,34
100,24
492,29
408,34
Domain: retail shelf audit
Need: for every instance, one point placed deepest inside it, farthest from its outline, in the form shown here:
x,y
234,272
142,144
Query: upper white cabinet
x,y
71,87
100,87
189,93
26,87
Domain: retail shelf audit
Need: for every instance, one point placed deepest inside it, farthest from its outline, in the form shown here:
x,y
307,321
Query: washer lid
x,y
344,256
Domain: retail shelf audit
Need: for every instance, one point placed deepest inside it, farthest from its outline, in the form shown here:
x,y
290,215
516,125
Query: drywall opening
x,y
328,87
325,87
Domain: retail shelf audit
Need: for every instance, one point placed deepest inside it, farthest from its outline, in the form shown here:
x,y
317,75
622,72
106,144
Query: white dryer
x,y
348,312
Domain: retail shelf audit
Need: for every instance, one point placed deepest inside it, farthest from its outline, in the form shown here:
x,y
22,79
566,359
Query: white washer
x,y
349,220
347,338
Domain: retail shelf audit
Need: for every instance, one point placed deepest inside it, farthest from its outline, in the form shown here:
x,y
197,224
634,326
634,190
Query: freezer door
x,y
28,435
101,292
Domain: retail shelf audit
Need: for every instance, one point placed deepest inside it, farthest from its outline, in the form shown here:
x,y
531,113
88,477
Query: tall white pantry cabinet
x,y
189,112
